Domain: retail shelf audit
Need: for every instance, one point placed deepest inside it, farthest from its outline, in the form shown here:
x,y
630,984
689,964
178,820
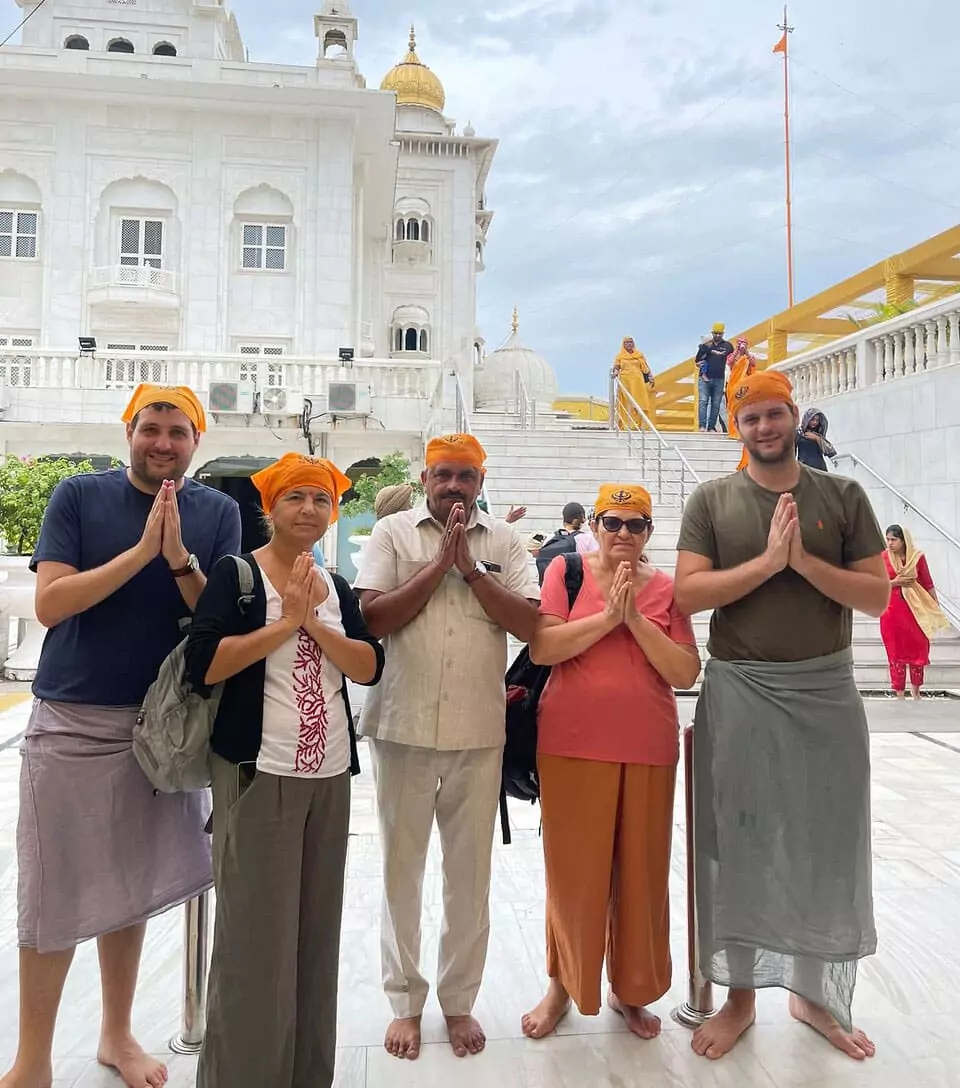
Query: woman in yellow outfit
x,y
631,367
742,365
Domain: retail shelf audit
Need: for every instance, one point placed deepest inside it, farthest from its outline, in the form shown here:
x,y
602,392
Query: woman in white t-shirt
x,y
283,751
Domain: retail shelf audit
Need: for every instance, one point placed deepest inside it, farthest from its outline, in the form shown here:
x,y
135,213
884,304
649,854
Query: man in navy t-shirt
x,y
121,561
712,356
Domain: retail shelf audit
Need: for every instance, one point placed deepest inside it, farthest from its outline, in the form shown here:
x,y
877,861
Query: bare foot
x,y
638,1019
853,1043
136,1068
18,1077
719,1035
917,694
543,1020
466,1035
403,1038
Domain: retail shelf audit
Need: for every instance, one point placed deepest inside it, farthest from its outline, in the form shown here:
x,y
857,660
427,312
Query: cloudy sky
x,y
639,184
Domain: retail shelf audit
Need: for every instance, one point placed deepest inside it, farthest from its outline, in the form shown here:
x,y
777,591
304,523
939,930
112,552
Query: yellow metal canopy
x,y
922,274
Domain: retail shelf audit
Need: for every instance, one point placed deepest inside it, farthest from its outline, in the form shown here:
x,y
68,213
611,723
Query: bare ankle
x,y
742,1000
36,1074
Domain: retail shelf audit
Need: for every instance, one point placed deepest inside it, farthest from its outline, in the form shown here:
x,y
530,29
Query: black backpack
x,y
563,542
525,682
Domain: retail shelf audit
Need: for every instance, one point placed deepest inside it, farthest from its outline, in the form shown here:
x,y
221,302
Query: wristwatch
x,y
193,565
479,571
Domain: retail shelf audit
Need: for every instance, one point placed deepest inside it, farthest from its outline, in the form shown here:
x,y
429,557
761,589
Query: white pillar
x,y
954,326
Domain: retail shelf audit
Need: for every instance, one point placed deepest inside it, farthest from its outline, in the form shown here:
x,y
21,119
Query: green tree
x,y
394,469
26,485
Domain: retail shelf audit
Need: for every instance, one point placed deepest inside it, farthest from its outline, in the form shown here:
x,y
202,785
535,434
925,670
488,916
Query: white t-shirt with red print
x,y
305,731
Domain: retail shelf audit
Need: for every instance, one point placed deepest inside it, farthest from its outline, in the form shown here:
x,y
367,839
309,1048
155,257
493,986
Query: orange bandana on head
x,y
297,470
762,385
461,449
623,497
179,396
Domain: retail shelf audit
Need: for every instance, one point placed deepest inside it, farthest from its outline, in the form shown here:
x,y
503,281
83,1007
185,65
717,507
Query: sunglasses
x,y
635,526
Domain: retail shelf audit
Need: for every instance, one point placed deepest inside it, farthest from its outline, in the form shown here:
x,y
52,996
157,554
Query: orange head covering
x,y
760,386
459,448
297,470
180,396
623,497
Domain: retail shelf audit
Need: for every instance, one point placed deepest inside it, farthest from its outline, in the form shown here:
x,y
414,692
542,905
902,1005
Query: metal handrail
x,y
900,497
617,389
465,426
526,405
950,607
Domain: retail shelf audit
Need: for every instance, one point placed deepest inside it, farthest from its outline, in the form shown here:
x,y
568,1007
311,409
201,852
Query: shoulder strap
x,y
245,574
573,578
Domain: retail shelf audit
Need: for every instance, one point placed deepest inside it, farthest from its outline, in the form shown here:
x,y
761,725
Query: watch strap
x,y
191,568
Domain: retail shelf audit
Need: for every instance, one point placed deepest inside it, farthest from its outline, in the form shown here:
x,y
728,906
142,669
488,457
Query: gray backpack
x,y
171,738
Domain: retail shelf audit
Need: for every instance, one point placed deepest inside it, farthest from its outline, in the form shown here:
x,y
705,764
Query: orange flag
x,y
781,46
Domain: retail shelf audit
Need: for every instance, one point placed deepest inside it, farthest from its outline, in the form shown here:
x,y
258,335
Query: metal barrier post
x,y
699,1004
196,939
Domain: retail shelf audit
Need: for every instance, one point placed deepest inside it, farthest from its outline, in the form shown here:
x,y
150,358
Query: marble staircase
x,y
544,468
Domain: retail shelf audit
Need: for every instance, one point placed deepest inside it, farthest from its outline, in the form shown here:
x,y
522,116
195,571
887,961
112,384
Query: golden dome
x,y
413,81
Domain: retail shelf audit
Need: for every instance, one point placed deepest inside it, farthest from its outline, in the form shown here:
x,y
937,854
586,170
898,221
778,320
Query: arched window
x,y
410,340
164,49
76,41
398,340
335,45
401,230
120,45
413,230
424,341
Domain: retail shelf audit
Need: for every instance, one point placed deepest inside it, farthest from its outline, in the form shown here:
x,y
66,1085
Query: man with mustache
x,y
441,584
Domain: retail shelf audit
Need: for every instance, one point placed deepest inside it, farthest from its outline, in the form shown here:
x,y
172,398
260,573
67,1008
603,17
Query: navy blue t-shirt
x,y
110,654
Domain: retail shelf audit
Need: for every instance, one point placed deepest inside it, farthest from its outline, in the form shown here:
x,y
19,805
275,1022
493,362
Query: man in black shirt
x,y
712,372
563,540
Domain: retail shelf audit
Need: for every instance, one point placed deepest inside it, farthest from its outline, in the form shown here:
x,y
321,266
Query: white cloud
x,y
639,183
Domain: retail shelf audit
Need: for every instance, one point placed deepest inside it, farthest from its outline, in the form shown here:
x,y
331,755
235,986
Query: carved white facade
x,y
208,219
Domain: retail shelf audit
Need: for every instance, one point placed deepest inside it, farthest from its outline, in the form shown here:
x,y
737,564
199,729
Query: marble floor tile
x,y
907,996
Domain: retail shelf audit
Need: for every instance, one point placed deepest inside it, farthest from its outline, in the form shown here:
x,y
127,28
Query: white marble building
x,y
231,225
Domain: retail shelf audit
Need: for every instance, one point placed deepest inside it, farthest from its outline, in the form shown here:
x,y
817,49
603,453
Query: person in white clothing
x,y
283,752
442,585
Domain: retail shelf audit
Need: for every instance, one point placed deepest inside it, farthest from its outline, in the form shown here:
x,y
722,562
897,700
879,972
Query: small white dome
x,y
494,382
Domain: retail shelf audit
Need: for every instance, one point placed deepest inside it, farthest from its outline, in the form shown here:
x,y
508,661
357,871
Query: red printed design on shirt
x,y
308,691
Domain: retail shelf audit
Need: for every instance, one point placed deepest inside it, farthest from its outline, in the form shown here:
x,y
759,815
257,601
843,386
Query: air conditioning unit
x,y
275,401
230,398
348,399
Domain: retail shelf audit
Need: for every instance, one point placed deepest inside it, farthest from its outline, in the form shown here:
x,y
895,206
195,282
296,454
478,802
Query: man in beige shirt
x,y
441,585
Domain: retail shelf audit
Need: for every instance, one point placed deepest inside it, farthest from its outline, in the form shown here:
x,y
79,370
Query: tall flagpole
x,y
783,48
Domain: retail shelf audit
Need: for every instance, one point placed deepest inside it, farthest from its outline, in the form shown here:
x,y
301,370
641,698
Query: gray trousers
x,y
272,1010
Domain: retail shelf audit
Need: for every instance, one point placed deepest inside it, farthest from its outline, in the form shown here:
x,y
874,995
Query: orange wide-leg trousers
x,y
606,840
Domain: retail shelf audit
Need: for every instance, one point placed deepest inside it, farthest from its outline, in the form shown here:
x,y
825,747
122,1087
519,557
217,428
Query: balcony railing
x,y
123,275
919,341
41,369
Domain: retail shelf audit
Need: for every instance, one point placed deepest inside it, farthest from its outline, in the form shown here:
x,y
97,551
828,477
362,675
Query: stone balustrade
x,y
38,369
916,342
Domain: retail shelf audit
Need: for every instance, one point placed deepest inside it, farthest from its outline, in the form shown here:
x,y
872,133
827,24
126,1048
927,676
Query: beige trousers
x,y
461,790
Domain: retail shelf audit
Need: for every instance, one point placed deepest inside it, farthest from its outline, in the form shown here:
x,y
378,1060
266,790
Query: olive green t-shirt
x,y
786,619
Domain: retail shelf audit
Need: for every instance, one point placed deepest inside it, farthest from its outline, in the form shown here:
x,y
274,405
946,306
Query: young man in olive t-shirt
x,y
782,554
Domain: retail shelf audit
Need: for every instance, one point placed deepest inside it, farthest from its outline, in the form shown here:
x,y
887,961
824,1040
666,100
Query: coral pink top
x,y
610,704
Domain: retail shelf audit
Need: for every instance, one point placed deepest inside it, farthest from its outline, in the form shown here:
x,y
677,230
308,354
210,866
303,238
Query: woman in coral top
x,y
608,751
